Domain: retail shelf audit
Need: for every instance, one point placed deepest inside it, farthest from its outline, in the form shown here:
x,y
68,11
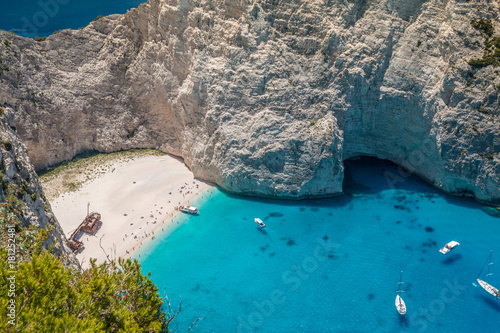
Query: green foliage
x,y
40,39
483,25
491,45
98,18
6,42
105,298
486,60
493,42
111,297
3,182
28,239
8,145
484,111
13,195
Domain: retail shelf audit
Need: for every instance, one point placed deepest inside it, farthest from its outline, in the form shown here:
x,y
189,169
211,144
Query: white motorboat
x,y
189,209
259,222
448,247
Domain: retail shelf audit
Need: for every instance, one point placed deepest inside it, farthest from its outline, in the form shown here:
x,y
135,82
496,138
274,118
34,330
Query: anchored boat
x,y
486,286
189,209
400,304
448,247
259,222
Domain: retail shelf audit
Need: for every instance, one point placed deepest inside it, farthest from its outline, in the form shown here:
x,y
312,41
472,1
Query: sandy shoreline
x,y
137,200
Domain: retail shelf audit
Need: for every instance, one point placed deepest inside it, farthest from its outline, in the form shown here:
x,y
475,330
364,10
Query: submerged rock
x,y
493,211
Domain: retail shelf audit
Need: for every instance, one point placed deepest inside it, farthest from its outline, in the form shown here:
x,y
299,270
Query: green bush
x,y
491,45
483,25
111,297
8,145
487,60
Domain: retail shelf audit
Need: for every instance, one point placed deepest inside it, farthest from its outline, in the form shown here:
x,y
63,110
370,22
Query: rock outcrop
x,y
22,193
269,97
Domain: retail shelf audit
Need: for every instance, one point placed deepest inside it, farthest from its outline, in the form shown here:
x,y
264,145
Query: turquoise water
x,y
331,265
31,18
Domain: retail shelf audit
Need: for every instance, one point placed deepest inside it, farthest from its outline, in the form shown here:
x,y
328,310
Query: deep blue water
x,y
42,17
331,265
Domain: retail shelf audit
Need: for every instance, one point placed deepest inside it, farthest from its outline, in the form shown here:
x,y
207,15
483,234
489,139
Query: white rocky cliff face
x,y
269,97
22,193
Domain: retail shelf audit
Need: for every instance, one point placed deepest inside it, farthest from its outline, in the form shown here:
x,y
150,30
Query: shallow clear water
x,y
331,265
42,17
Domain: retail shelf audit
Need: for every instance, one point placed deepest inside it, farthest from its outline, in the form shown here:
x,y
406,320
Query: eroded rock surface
x,y
22,193
269,97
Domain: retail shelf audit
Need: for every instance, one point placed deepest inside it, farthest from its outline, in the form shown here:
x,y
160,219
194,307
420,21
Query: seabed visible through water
x,y
331,265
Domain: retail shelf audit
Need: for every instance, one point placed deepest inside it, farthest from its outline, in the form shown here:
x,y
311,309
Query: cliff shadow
x,y
371,175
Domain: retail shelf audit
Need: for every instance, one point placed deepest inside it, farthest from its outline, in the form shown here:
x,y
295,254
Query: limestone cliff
x,y
22,192
269,97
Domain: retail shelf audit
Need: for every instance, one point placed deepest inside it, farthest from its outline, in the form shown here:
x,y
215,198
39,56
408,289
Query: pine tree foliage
x,y
49,297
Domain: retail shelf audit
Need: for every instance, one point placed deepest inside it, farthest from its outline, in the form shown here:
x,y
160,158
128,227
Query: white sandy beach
x,y
136,200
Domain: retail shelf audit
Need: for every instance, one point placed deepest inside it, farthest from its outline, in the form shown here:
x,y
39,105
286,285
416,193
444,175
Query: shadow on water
x,y
404,321
492,302
261,230
452,259
330,202
365,176
368,175
372,175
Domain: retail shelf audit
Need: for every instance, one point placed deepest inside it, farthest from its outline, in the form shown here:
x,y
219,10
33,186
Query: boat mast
x,y
489,265
400,283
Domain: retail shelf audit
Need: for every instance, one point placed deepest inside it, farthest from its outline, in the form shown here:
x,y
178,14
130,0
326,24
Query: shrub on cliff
x,y
491,45
49,297
483,25
7,145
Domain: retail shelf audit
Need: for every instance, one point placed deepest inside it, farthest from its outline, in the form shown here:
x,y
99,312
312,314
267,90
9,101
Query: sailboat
x,y
486,286
400,304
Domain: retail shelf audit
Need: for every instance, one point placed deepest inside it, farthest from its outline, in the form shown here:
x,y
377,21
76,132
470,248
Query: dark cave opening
x,y
367,174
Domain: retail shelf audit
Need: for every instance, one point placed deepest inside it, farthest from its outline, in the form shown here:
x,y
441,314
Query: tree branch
x,y
100,239
194,323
